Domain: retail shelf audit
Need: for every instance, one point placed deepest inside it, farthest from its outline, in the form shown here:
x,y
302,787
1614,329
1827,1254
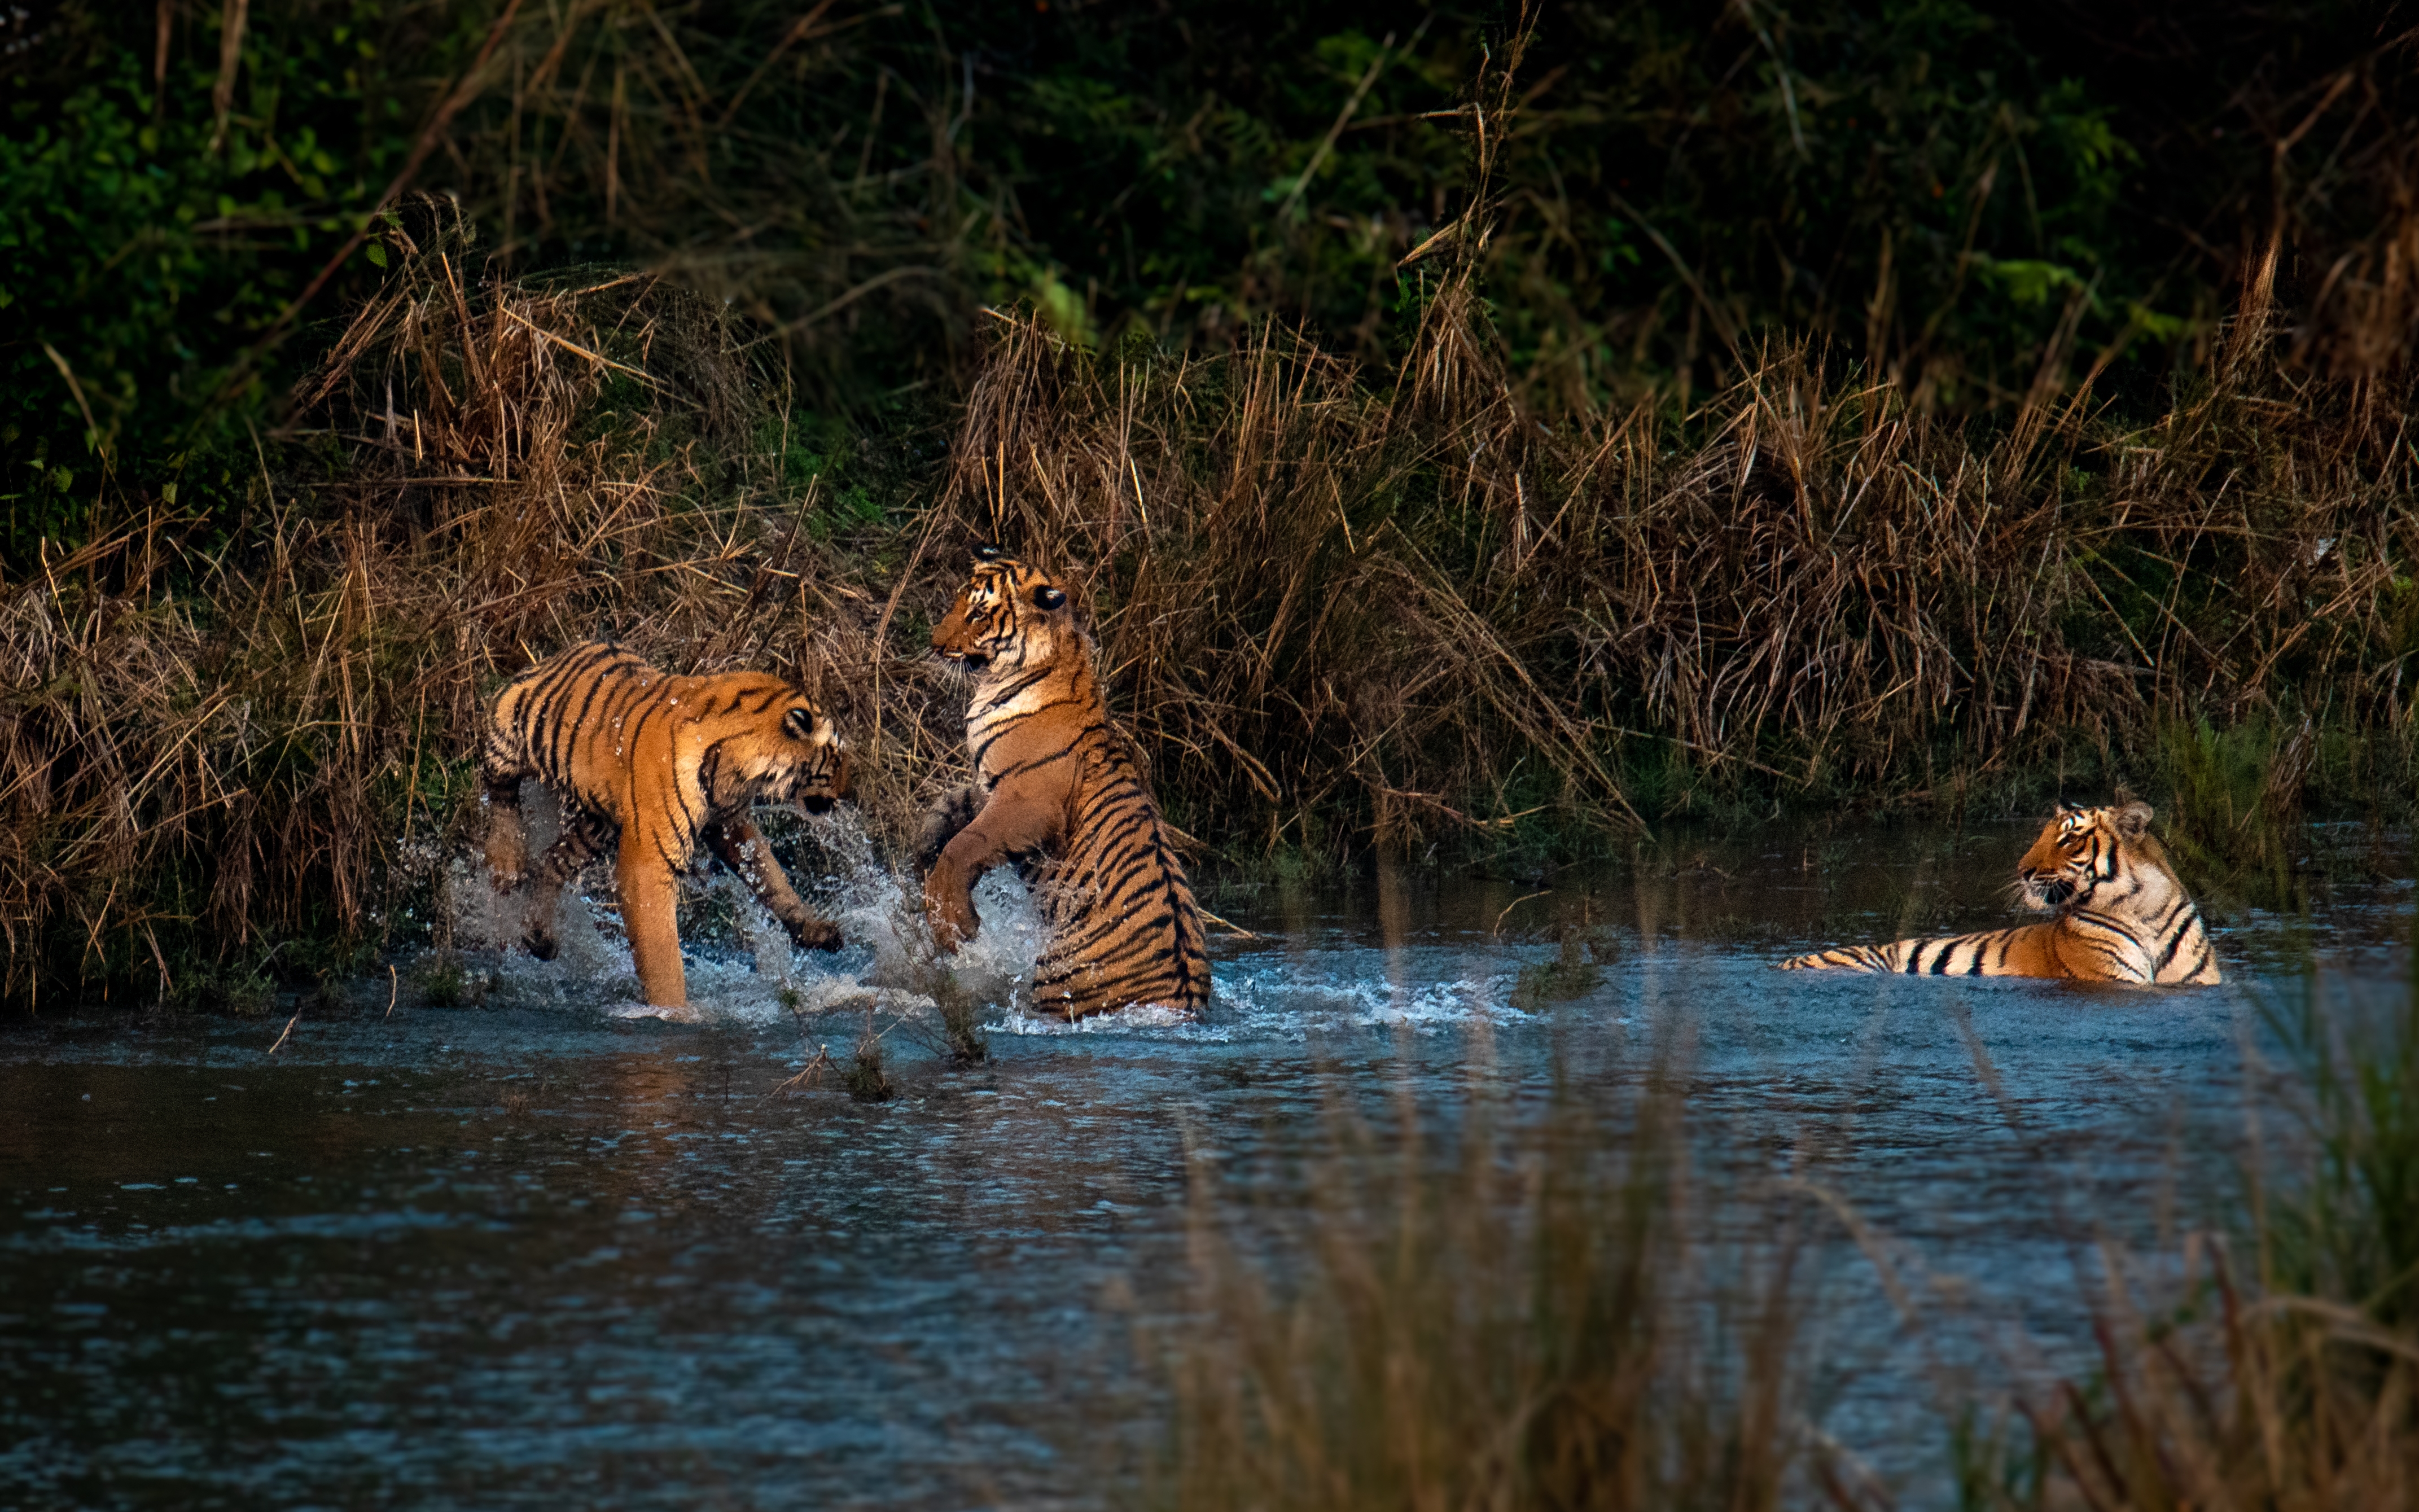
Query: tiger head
x,y
1008,616
791,753
2083,850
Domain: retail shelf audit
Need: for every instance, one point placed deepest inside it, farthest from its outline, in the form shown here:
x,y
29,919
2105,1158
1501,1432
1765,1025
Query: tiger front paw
x,y
953,918
540,942
507,866
814,935
507,851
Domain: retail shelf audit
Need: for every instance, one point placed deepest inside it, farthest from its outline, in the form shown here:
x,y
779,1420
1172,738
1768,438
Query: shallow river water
x,y
526,1252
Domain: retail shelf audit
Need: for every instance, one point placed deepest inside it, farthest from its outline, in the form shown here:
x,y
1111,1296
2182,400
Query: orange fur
x,y
2122,914
647,768
1057,791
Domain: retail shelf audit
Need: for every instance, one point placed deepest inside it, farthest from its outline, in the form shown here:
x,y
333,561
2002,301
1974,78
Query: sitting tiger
x,y
2122,914
647,766
1057,791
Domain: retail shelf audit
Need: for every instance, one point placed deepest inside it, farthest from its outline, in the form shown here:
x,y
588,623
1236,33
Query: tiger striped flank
x,y
648,767
1058,793
2122,916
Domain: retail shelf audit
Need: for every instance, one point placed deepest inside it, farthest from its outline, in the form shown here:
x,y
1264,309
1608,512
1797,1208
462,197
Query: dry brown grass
x,y
1453,609
214,747
1333,612
1553,1308
2268,1363
2216,1397
1540,1317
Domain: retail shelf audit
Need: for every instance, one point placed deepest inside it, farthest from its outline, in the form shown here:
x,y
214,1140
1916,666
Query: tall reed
x,y
1566,1314
1335,608
224,746
2271,1362
1537,1318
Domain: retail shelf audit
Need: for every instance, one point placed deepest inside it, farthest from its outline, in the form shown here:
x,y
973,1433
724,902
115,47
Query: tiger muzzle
x,y
2045,890
820,790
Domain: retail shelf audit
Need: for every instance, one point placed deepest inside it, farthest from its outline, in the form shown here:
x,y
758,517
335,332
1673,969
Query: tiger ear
x,y
1046,597
989,551
2133,820
800,723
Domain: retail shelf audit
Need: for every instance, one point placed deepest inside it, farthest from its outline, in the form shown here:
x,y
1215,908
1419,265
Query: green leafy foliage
x,y
149,239
1964,196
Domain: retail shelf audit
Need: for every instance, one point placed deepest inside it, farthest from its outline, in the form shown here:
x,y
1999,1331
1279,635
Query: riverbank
x,y
1342,612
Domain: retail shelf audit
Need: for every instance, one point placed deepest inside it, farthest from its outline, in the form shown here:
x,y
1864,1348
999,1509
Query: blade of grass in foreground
x,y
1522,1318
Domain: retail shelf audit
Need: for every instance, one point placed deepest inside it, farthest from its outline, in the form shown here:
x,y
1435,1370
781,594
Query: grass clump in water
x,y
960,1013
443,978
863,1077
1583,949
242,988
1538,1318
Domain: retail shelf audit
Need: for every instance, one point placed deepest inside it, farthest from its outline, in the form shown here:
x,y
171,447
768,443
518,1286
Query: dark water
x,y
524,1253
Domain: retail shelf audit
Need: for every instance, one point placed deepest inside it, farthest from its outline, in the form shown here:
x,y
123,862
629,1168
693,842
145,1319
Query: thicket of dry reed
x,y
1334,609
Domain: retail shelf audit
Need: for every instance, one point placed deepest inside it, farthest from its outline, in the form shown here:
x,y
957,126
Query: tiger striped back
x,y
2122,914
1058,791
649,766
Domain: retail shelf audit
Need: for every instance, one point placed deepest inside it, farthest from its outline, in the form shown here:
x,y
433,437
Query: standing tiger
x,y
2122,914
1057,791
647,766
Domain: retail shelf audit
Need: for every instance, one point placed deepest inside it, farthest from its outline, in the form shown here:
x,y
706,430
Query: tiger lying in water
x,y
1057,792
648,765
2122,914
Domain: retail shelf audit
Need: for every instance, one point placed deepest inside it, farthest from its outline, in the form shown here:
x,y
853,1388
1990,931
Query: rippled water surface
x,y
527,1252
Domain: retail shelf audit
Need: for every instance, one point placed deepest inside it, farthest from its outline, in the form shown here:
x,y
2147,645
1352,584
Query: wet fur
x,y
647,767
2122,916
1058,793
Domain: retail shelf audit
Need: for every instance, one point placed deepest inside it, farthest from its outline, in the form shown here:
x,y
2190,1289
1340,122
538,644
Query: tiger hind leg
x,y
585,838
502,764
740,846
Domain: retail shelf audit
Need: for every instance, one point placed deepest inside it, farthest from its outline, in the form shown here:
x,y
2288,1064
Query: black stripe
x,y
2174,942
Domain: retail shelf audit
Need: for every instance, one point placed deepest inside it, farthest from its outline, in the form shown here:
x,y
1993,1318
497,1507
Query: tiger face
x,y
2080,851
1007,616
798,758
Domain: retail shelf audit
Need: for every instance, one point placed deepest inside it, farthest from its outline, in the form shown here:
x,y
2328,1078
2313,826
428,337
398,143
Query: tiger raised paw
x,y
2122,914
648,765
1058,793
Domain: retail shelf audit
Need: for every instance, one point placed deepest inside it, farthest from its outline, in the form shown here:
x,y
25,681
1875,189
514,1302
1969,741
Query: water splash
x,y
744,970
754,976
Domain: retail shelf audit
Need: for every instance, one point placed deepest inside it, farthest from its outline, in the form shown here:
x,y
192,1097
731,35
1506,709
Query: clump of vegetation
x,y
1532,1320
957,1008
1583,949
243,988
443,978
864,1077
960,1013
2273,1368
